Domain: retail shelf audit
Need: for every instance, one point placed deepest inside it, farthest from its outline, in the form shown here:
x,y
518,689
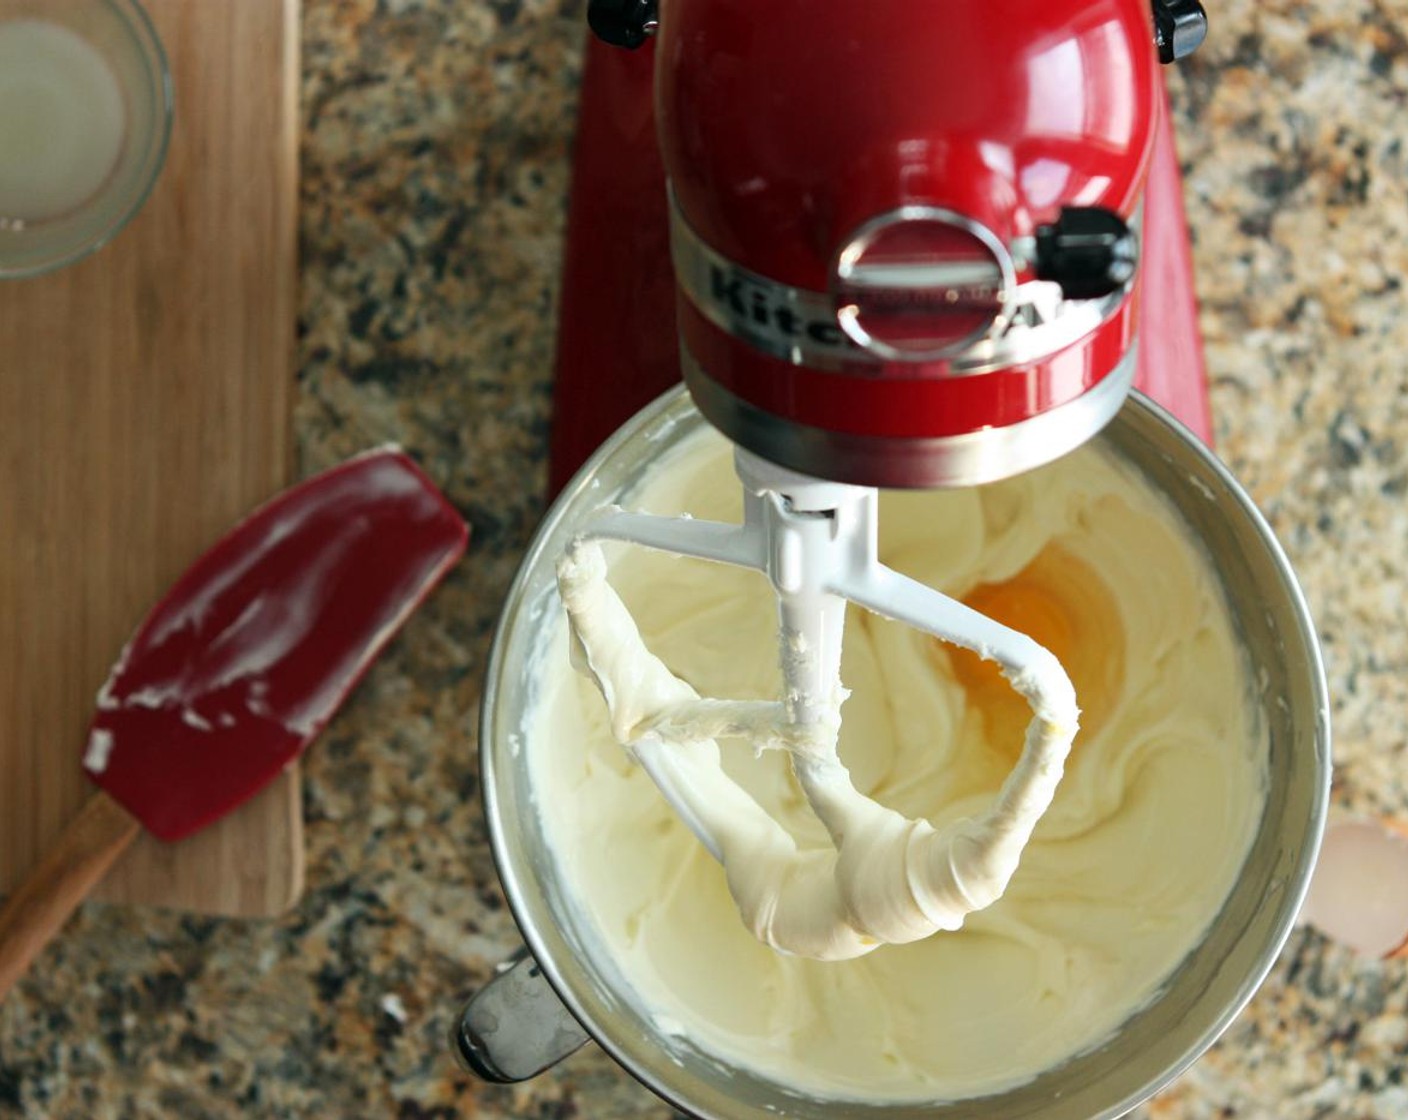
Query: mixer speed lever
x,y
623,23
1090,251
1180,26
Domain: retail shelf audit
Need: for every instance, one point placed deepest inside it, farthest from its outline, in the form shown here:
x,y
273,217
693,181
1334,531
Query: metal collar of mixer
x,y
966,459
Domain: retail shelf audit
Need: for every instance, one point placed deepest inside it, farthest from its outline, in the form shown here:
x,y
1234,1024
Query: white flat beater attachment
x,y
888,879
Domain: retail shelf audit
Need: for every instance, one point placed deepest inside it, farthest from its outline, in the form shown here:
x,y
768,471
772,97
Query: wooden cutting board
x,y
144,408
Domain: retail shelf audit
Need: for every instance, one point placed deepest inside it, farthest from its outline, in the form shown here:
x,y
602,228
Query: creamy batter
x,y
1142,842
887,879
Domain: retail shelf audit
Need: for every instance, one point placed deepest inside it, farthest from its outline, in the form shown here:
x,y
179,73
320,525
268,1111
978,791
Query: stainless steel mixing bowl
x,y
516,1026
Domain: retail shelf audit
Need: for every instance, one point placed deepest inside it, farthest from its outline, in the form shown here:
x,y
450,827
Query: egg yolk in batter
x,y
1062,604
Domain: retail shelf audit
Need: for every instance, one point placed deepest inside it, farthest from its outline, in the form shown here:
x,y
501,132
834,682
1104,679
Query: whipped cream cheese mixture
x,y
890,879
1147,832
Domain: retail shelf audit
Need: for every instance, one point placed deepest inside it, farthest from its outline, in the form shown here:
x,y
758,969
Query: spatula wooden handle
x,y
51,893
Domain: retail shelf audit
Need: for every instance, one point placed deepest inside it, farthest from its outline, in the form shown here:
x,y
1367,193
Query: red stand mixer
x,y
906,247
875,208
885,245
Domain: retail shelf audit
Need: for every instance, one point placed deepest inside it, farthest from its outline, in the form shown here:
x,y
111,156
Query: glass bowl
x,y
85,118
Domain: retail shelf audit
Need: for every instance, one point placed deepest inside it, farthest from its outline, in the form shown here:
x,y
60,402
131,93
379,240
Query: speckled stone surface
x,y
435,173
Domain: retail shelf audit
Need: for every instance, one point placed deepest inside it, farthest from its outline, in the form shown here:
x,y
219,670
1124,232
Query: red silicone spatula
x,y
240,667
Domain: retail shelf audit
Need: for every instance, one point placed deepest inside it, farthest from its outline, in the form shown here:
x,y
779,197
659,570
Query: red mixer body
x,y
811,156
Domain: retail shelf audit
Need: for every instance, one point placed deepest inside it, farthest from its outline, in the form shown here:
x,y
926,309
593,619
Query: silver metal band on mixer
x,y
969,459
804,327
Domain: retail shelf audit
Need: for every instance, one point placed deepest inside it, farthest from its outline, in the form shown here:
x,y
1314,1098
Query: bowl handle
x,y
515,1027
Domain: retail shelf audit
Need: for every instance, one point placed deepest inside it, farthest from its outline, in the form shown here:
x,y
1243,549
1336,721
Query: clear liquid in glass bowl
x,y
85,118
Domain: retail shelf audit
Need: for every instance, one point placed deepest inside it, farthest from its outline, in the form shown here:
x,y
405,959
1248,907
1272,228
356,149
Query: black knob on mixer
x,y
623,23
1180,26
1089,251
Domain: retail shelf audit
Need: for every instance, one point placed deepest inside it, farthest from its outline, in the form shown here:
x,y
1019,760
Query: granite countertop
x,y
435,169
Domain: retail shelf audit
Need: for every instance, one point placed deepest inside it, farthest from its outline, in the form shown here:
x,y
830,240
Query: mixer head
x,y
905,239
906,235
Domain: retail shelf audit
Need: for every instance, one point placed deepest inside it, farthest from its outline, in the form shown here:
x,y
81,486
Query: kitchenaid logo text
x,y
775,316
766,309
800,326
